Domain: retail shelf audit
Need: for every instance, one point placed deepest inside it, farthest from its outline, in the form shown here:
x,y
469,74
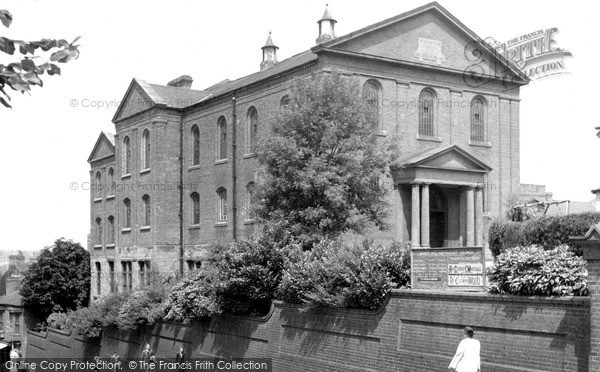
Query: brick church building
x,y
452,101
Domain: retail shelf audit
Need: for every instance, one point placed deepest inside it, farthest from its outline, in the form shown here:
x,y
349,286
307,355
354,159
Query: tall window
x,y
145,150
478,119
195,208
111,276
98,185
221,138
126,267
426,113
222,205
126,156
144,267
251,129
372,96
195,145
98,231
111,181
15,320
147,213
127,205
98,278
111,230
249,204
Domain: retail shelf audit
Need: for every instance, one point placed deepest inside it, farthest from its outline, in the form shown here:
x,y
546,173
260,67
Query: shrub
x,y
335,275
533,271
62,321
547,231
87,321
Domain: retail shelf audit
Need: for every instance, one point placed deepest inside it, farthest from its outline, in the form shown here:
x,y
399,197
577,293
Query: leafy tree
x,y
58,281
22,74
322,162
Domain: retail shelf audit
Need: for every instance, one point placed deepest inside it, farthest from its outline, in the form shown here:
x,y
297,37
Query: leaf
x,y
3,101
6,18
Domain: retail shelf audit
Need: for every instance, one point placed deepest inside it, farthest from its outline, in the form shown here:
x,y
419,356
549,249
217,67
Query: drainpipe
x,y
233,167
181,193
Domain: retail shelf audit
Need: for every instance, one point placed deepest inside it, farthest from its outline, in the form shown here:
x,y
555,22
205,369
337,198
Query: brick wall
x,y
414,331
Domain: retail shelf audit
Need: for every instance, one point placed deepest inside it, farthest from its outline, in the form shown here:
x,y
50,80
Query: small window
x,y
426,113
221,138
111,230
147,210
195,145
195,208
145,154
249,202
127,275
372,96
15,320
251,130
144,271
126,156
111,276
98,231
222,205
478,111
98,278
98,185
111,180
127,205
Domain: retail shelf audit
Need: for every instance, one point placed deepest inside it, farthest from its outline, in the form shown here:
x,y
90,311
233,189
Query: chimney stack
x,y
184,81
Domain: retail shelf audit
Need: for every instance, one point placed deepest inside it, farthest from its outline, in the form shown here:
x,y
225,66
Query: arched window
x,y
111,180
98,185
426,113
126,156
127,205
478,111
98,231
222,205
195,145
111,230
221,138
145,154
285,102
372,96
195,208
98,278
251,129
249,202
147,213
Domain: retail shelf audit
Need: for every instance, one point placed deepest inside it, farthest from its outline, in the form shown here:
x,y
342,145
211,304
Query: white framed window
x,y
221,205
427,113
222,138
98,231
126,156
145,150
478,118
372,95
195,208
127,212
147,210
251,130
195,145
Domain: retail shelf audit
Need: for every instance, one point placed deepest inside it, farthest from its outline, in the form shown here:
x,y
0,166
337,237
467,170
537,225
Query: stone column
x,y
425,215
470,217
479,217
415,223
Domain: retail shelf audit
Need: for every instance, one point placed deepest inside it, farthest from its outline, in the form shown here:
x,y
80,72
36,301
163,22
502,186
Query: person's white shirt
x,y
466,358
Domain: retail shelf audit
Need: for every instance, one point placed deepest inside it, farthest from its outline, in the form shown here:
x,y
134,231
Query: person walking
x,y
146,355
467,358
180,359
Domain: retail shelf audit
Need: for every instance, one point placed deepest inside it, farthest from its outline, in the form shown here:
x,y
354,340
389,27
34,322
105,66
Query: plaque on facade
x,y
430,50
448,268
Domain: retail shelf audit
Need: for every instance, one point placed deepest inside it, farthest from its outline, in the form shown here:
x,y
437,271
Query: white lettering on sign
x,y
430,50
471,268
465,280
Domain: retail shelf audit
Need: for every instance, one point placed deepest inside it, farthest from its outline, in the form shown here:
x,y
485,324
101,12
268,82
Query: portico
x,y
446,187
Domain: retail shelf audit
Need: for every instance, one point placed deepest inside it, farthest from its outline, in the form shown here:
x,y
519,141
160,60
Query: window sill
x,y
194,167
128,175
144,171
221,161
97,200
109,197
248,222
421,137
381,133
145,228
110,246
221,224
97,246
480,143
250,155
126,230
194,227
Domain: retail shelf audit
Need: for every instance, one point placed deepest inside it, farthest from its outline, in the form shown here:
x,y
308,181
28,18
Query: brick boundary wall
x,y
414,331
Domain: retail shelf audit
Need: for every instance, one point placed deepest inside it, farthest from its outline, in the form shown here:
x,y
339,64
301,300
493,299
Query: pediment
x,y
104,148
428,35
136,100
449,158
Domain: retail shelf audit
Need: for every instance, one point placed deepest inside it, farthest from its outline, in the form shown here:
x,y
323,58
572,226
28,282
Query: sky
x,y
48,135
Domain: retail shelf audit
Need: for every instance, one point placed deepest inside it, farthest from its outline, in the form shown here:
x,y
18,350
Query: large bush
x,y
534,271
334,274
547,231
